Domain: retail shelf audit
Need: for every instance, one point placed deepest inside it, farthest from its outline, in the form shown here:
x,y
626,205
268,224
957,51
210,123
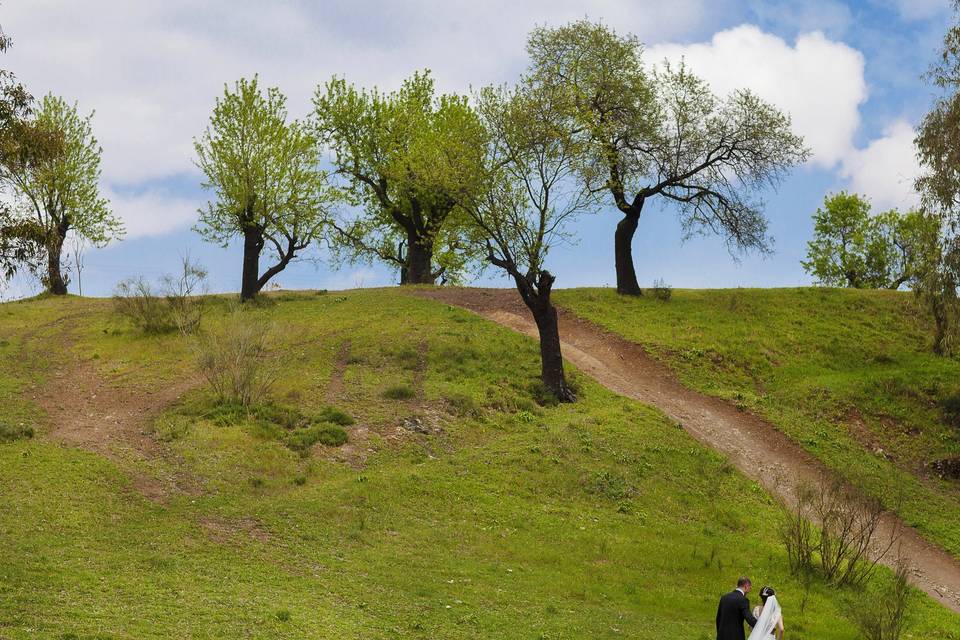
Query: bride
x,y
769,617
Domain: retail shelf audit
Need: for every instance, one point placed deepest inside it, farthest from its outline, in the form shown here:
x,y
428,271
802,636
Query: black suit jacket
x,y
733,611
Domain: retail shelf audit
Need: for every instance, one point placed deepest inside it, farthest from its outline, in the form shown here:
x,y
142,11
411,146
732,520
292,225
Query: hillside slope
x,y
459,507
847,374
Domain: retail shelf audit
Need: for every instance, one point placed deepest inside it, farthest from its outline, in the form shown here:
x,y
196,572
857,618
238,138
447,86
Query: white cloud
x,y
152,213
885,169
818,81
152,70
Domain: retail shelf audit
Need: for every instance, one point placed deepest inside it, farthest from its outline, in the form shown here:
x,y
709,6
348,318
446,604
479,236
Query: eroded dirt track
x,y
752,444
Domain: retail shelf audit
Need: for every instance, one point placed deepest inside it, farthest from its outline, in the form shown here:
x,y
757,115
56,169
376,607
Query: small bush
x,y
331,435
464,405
237,360
297,430
843,550
177,307
661,290
882,613
283,615
399,392
300,481
9,432
334,416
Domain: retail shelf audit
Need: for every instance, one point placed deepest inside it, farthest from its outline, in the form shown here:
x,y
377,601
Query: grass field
x,y
848,374
507,519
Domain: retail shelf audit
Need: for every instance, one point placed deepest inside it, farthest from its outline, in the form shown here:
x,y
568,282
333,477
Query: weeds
x,y
399,392
177,307
237,360
9,432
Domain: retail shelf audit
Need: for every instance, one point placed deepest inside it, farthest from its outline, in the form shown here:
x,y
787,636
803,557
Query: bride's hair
x,y
766,592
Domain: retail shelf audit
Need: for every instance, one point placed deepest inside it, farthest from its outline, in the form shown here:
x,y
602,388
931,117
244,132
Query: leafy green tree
x,y
852,248
387,147
529,195
53,171
938,149
664,134
20,245
264,172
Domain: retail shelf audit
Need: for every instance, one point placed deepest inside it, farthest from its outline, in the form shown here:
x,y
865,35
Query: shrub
x,y
883,613
840,550
464,404
334,416
661,290
177,307
399,392
9,432
237,360
331,435
297,430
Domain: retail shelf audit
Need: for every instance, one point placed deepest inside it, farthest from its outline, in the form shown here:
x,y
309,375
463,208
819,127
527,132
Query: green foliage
x,y
10,432
237,359
328,434
54,175
297,429
664,132
852,248
399,392
264,173
179,306
402,157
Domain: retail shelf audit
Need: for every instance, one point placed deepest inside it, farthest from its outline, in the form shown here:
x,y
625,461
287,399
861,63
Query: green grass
x,y
599,519
847,374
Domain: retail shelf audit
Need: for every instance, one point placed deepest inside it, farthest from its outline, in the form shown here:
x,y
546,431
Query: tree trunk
x,y
419,260
551,360
252,245
545,315
623,255
55,282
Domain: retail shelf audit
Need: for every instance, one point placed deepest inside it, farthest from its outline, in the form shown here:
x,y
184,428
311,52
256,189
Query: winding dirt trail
x,y
752,444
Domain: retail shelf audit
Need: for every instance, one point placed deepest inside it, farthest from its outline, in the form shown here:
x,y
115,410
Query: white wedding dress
x,y
767,621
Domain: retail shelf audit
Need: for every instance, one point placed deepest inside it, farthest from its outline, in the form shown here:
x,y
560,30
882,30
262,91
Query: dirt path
x,y
114,420
752,444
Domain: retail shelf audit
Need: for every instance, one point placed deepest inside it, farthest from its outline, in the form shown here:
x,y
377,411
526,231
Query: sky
x,y
848,73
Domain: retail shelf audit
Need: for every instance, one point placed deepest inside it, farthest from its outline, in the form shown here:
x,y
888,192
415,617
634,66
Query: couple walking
x,y
734,609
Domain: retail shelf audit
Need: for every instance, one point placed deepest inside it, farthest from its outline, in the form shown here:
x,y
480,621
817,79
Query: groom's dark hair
x,y
743,581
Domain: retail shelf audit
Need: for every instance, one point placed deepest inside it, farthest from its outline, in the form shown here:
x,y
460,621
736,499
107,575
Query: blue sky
x,y
848,72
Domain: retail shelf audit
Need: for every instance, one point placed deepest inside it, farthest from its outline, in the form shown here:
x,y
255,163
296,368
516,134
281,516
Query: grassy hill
x,y
460,507
848,374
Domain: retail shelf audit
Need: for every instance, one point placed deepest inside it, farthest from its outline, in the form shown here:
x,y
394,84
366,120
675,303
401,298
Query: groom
x,y
734,609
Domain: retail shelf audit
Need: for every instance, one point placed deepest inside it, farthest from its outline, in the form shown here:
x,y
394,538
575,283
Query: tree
x,y
266,178
852,248
53,170
938,150
529,195
665,134
386,147
20,246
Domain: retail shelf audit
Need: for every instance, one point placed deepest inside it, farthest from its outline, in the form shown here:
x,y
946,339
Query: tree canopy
x,y
529,195
665,133
854,248
387,148
264,172
53,171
